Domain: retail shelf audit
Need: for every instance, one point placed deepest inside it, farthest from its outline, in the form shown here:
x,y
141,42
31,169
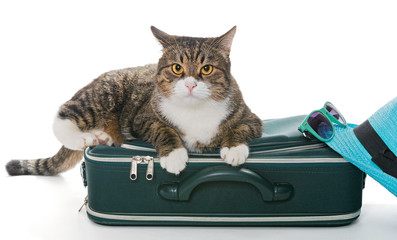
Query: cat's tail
x,y
64,160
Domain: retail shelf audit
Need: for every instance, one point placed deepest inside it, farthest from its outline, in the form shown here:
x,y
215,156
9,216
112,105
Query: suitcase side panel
x,y
319,189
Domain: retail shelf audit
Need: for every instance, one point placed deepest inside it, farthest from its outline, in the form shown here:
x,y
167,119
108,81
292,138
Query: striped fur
x,y
126,103
62,161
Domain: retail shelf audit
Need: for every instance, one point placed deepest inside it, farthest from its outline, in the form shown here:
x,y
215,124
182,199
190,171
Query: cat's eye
x,y
177,69
207,69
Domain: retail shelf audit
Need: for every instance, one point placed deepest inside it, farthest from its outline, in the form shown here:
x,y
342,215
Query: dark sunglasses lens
x,y
321,125
334,112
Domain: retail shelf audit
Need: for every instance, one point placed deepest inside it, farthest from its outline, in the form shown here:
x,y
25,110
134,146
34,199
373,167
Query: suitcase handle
x,y
269,191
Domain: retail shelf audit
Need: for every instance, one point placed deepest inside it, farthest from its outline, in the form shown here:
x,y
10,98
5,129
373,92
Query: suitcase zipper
x,y
142,160
150,168
295,148
199,158
134,167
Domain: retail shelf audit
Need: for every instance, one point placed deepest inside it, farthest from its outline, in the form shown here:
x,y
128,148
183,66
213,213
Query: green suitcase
x,y
287,180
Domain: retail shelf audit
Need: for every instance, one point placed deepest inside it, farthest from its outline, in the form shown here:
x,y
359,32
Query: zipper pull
x,y
85,203
134,167
150,167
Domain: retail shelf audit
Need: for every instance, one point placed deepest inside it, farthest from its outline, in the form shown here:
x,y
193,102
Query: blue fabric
x,y
384,121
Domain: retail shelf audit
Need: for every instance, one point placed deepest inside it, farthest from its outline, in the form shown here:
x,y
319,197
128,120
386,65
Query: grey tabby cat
x,y
188,101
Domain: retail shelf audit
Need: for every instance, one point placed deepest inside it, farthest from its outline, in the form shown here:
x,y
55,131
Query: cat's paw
x,y
82,141
176,161
73,138
235,155
102,138
89,139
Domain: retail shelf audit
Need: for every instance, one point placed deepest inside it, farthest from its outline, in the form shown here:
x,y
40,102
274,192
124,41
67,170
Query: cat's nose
x,y
190,85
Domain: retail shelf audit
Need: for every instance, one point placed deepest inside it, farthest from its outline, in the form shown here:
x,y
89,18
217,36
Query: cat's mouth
x,y
191,98
191,91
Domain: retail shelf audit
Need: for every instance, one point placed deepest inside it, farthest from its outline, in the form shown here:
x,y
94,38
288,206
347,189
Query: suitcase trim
x,y
193,159
223,219
294,148
208,157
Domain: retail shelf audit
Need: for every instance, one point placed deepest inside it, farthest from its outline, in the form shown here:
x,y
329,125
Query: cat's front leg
x,y
234,147
175,161
235,155
173,155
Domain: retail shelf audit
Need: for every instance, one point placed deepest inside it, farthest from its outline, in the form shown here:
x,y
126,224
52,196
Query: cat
x,y
188,101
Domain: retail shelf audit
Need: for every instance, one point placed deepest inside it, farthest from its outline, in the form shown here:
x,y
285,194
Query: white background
x,y
289,57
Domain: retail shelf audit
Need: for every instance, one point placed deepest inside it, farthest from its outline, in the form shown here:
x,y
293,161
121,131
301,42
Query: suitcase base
x,y
169,220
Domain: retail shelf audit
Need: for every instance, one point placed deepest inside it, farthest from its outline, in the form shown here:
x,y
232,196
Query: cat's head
x,y
194,70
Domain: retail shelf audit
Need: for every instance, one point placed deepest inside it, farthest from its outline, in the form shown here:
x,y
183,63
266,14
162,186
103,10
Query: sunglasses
x,y
320,123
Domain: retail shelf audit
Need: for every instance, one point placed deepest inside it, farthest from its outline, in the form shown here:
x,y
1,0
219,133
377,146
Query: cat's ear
x,y
163,38
225,41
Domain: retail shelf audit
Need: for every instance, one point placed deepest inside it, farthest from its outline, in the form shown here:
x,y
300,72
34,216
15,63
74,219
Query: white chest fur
x,y
199,123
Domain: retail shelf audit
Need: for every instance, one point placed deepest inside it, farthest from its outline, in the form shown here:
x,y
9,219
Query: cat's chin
x,y
188,101
192,101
